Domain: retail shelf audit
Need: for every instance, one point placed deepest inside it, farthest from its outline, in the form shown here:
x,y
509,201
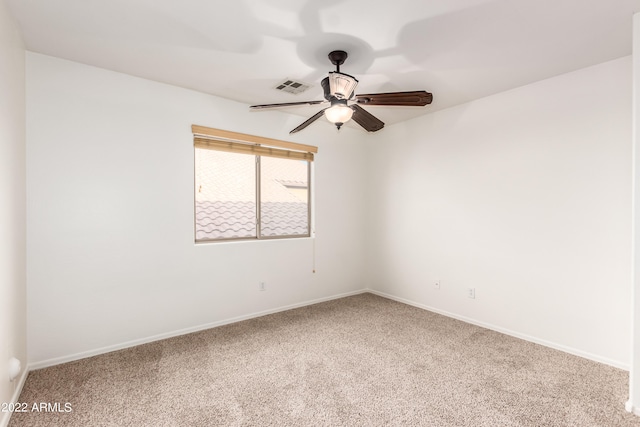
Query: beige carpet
x,y
357,361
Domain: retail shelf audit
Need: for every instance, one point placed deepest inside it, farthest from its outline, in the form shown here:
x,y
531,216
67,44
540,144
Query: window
x,y
248,187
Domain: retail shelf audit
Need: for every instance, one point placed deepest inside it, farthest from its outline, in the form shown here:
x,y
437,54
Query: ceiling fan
x,y
345,104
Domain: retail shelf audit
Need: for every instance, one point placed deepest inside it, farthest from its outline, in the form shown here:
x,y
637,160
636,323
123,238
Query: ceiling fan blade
x,y
365,119
286,104
310,120
418,98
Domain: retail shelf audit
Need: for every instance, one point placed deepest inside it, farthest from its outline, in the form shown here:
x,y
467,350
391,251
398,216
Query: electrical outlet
x,y
436,285
471,292
262,286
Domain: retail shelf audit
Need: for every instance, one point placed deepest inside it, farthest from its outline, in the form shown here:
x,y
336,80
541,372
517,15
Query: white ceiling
x,y
459,50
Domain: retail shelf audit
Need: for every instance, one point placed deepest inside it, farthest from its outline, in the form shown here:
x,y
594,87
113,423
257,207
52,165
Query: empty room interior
x,y
284,212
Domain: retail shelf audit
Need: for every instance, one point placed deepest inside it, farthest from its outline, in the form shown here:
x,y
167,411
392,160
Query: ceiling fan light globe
x,y
338,114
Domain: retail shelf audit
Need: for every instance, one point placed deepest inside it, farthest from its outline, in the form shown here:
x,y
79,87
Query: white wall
x,y
633,404
110,241
524,196
13,342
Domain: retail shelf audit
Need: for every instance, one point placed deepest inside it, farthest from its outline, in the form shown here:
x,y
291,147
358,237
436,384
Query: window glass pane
x,y
284,191
225,195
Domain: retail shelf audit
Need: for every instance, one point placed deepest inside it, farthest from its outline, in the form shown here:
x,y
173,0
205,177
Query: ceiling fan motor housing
x,y
326,88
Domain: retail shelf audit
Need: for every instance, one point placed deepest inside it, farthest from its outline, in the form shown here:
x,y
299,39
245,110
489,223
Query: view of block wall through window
x,y
226,196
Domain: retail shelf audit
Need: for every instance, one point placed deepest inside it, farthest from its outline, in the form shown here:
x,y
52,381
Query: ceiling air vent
x,y
292,86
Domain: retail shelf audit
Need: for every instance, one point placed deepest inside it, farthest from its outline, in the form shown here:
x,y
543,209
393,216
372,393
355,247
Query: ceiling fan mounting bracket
x,y
337,58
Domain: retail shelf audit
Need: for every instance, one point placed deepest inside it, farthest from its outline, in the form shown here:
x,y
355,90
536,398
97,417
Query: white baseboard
x,y
632,409
133,343
83,355
566,349
6,416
